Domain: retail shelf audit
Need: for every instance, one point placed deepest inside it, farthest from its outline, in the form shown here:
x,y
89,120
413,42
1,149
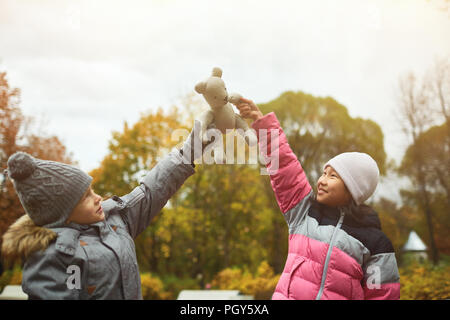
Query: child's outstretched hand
x,y
249,110
193,147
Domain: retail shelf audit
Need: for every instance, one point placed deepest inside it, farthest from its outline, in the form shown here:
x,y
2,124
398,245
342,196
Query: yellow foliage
x,y
16,278
425,282
261,285
229,279
153,288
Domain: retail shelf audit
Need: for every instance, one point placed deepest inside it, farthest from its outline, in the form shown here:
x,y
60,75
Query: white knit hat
x,y
359,172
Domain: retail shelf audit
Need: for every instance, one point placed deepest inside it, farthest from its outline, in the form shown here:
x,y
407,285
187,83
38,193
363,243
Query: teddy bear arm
x,y
234,98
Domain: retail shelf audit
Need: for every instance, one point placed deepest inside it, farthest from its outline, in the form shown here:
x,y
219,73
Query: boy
x,y
75,246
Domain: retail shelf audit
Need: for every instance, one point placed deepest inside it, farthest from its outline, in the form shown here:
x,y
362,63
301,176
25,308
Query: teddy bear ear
x,y
217,72
200,87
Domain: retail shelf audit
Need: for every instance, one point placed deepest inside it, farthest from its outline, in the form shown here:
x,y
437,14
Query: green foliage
x,y
320,128
175,285
192,239
430,155
11,277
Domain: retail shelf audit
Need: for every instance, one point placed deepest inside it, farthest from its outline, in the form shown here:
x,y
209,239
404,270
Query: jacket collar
x,y
67,240
356,216
23,238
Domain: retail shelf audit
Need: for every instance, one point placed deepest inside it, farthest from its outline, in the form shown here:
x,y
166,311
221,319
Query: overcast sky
x,y
87,66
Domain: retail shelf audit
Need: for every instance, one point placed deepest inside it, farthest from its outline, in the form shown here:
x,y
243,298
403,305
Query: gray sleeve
x,y
46,275
295,216
158,186
380,269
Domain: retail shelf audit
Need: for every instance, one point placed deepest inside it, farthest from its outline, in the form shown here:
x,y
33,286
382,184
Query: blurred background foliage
x,y
223,229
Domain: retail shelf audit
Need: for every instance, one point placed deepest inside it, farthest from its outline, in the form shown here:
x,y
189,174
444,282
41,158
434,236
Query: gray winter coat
x,y
96,261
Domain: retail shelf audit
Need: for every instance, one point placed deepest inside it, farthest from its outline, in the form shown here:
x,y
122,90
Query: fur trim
x,y
23,238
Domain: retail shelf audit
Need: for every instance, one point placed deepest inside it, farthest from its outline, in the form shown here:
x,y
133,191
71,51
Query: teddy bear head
x,y
213,89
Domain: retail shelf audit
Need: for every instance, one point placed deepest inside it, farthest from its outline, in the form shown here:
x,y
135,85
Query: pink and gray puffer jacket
x,y
333,254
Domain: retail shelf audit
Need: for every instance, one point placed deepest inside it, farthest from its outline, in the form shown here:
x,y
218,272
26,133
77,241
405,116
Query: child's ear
x,y
200,87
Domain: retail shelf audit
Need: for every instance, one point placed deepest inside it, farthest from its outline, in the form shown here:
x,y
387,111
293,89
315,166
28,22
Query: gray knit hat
x,y
48,190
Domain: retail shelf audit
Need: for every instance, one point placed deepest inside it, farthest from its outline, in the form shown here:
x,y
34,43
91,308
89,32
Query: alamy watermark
x,y
74,280
374,277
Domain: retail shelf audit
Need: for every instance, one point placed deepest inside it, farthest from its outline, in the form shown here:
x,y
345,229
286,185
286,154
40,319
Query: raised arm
x,y
289,181
141,205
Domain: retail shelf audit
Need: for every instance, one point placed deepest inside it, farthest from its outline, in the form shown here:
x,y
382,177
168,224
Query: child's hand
x,y
193,147
249,110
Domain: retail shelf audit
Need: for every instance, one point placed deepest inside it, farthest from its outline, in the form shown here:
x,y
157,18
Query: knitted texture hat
x,y
48,190
359,172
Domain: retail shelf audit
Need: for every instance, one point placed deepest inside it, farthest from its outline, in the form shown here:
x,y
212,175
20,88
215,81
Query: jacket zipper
x,y
327,259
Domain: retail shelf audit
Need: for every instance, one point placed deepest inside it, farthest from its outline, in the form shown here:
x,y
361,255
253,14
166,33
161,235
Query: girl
x,y
336,247
75,246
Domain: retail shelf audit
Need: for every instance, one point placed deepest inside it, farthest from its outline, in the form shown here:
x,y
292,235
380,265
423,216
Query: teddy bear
x,y
221,115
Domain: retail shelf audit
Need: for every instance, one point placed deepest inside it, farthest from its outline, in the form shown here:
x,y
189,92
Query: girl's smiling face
x,y
331,189
88,209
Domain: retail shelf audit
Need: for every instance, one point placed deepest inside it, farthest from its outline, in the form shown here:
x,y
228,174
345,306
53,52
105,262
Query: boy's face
x,y
331,189
88,209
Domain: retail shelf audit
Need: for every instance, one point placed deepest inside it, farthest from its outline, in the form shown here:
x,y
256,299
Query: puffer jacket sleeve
x,y
142,204
289,181
381,277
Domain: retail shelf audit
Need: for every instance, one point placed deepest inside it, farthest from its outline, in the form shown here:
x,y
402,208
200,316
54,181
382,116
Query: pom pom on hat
x,y
20,166
47,190
359,171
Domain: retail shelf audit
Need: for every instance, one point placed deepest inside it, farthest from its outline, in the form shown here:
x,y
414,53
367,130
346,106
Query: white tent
x,y
415,247
212,295
414,243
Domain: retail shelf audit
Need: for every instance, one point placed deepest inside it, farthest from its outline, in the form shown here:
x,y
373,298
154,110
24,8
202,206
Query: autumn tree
x,y
318,128
218,219
426,162
435,175
226,215
16,135
134,151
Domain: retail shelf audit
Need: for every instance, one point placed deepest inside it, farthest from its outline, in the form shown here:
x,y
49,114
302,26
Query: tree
x,y
134,151
435,175
218,219
225,215
420,106
16,135
320,128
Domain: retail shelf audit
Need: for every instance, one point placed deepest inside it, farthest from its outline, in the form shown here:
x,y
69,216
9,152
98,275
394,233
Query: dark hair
x,y
357,212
